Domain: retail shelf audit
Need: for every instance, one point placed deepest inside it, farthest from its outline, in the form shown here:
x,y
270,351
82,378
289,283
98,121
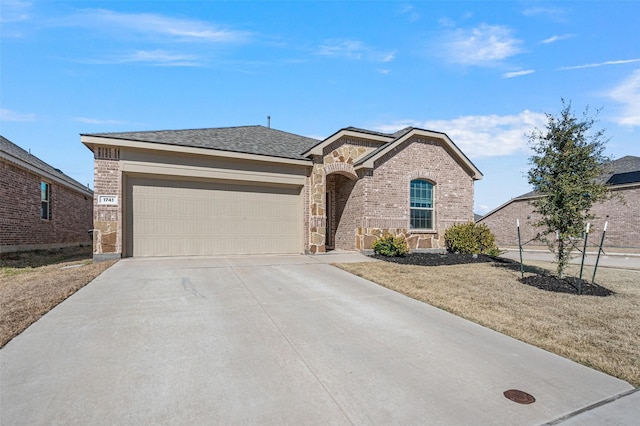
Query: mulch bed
x,y
542,281
436,259
567,285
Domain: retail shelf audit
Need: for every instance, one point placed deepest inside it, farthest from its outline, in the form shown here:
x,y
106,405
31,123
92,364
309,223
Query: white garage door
x,y
178,218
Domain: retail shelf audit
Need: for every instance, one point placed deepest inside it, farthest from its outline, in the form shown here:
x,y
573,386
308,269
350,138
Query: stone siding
x,y
21,227
107,239
621,212
371,203
316,206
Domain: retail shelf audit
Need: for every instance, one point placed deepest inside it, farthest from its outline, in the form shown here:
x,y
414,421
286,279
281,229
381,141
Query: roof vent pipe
x,y
268,121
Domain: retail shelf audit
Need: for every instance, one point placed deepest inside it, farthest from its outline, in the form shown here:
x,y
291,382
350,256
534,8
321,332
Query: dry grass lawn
x,y
33,283
600,332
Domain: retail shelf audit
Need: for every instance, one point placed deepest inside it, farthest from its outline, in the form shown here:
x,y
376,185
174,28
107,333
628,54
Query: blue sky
x,y
483,72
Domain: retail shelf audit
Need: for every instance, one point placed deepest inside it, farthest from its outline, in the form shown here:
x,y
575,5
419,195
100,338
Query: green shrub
x,y
391,246
470,238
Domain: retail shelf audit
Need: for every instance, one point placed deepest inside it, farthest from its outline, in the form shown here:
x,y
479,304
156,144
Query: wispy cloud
x,y
9,115
555,13
482,135
627,93
555,38
410,12
517,73
600,64
353,49
482,45
157,57
87,120
484,208
156,25
15,11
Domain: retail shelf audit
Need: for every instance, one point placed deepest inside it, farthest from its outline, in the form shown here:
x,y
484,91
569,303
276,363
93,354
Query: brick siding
x,y
621,212
22,228
378,202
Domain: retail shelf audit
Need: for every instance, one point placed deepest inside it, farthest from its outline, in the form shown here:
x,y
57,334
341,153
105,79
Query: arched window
x,y
421,204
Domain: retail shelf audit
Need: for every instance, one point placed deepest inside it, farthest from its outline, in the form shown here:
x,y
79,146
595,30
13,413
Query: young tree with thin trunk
x,y
568,159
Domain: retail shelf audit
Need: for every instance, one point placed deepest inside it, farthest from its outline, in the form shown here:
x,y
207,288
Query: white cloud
x,y
8,115
482,45
554,13
482,135
601,64
153,57
87,120
555,38
627,93
410,11
15,11
446,22
156,25
517,73
353,49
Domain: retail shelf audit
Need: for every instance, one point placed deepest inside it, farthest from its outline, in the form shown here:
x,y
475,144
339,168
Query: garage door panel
x,y
203,218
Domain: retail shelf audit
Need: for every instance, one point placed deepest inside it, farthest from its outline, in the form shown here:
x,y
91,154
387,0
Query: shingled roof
x,y
258,140
626,165
13,153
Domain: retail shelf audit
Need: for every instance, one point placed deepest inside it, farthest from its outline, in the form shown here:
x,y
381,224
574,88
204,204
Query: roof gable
x,y
388,141
353,132
258,140
13,153
406,134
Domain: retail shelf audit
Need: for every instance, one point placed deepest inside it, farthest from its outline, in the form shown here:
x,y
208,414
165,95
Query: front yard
x,y
33,283
600,332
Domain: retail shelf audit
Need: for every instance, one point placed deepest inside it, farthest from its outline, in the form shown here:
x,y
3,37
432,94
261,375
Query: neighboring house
x,y
40,207
252,189
621,212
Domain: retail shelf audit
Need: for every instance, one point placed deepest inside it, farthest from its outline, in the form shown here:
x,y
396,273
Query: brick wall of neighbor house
x,y
387,194
21,227
107,181
503,224
621,211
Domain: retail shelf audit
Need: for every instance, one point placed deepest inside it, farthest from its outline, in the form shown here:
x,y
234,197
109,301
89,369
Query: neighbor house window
x,y
421,204
45,198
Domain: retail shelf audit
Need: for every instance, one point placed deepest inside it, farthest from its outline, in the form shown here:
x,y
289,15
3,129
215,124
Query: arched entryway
x,y
342,211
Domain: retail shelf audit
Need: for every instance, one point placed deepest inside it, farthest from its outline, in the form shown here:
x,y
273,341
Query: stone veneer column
x,y
339,160
317,214
107,223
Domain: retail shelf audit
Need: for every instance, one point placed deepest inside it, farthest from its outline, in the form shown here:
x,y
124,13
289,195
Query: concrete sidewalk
x,y
610,260
278,340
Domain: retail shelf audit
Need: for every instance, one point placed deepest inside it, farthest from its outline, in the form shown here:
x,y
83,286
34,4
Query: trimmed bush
x,y
470,238
391,246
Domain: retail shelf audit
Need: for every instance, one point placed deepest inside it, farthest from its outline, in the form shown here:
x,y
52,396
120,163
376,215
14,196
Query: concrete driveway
x,y
278,340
